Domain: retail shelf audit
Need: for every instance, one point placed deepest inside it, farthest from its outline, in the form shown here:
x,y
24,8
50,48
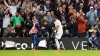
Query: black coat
x,y
18,31
73,29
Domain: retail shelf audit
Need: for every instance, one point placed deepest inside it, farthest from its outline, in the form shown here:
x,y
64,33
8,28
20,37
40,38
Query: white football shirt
x,y
60,29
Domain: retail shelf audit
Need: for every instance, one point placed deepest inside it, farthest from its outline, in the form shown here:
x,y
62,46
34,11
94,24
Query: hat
x,y
91,7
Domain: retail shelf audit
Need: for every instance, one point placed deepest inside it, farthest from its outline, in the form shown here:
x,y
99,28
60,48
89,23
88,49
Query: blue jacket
x,y
91,16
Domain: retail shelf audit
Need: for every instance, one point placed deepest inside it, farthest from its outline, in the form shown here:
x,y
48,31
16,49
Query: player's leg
x,y
57,44
34,41
37,42
57,37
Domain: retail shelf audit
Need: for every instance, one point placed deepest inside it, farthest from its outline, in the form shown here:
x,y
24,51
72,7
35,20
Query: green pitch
x,y
49,53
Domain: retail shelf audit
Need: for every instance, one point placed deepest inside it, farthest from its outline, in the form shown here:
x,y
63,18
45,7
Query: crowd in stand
x,y
79,17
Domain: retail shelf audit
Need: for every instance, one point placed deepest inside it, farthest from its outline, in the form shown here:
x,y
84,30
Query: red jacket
x,y
81,25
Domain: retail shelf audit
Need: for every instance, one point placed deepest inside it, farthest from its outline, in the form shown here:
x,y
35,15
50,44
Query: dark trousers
x,y
35,41
82,34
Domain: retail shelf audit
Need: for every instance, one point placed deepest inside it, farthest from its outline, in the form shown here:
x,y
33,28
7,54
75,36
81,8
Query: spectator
x,y
49,17
44,27
82,7
23,13
91,3
59,3
91,16
17,20
18,30
76,5
86,6
92,29
65,26
47,6
24,33
39,13
73,26
28,23
59,12
12,8
93,42
82,22
11,33
97,21
26,4
6,19
95,8
98,9
1,15
6,31
1,19
50,23
36,7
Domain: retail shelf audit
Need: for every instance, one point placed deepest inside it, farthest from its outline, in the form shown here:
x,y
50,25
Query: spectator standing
x,y
82,23
44,27
95,8
50,23
65,26
50,20
36,7
26,4
77,5
17,20
98,9
59,12
82,7
91,16
28,23
47,6
12,8
6,19
73,27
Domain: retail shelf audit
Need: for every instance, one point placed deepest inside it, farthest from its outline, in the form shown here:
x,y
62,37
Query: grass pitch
x,y
50,53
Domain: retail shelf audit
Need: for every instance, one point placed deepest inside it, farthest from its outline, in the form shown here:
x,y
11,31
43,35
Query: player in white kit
x,y
58,31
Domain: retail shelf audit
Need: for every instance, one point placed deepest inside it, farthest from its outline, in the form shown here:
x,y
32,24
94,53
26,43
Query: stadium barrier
x,y
25,43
